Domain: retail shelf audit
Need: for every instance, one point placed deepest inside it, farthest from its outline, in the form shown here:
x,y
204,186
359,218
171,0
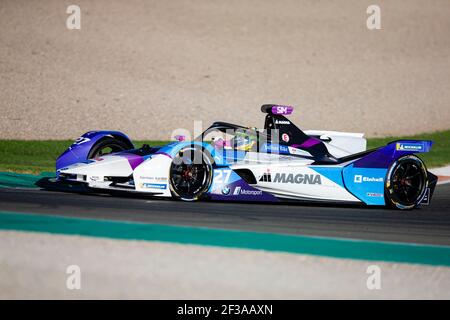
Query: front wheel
x,y
107,146
406,183
190,173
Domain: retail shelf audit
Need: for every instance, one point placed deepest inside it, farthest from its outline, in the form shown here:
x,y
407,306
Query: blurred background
x,y
148,67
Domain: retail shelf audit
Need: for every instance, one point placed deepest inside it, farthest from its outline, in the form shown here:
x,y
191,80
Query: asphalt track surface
x,y
425,225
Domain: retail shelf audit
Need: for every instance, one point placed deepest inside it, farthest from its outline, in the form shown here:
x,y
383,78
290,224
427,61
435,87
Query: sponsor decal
x,y
282,122
226,191
154,186
282,110
240,191
285,137
360,179
374,194
297,178
266,177
409,146
275,148
158,179
251,192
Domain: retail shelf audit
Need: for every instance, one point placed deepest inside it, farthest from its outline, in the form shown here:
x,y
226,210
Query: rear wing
x,y
384,156
277,109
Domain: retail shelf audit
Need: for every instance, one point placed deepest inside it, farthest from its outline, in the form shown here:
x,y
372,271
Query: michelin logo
x,y
409,147
154,186
240,191
360,179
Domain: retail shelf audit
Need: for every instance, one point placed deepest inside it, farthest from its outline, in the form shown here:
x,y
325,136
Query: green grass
x,y
39,156
36,156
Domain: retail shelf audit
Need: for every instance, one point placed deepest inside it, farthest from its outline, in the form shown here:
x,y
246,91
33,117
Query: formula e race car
x,y
234,163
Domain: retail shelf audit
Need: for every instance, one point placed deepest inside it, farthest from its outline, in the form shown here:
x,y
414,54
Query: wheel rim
x,y
407,183
189,179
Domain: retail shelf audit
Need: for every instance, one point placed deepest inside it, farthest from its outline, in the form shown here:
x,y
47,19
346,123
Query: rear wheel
x,y
406,183
106,146
190,173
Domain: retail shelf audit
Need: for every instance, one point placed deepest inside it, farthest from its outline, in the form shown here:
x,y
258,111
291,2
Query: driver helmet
x,y
244,141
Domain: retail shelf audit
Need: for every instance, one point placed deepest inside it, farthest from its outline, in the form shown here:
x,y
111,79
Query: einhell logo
x,y
360,179
297,178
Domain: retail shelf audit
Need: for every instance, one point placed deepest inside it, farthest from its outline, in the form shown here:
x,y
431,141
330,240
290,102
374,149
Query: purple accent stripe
x,y
133,159
308,143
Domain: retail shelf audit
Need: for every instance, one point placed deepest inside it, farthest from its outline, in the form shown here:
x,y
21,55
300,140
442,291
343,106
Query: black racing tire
x,y
191,173
406,183
106,146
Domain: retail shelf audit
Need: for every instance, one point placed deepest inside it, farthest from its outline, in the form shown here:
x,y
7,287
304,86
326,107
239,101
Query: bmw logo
x,y
226,191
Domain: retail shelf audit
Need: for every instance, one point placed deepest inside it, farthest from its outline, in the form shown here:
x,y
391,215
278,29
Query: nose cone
x,y
110,165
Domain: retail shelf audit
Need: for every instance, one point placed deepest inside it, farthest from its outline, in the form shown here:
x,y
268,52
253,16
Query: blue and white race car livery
x,y
229,162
